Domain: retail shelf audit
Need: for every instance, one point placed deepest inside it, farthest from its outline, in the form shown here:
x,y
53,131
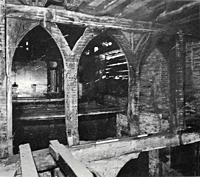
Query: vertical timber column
x,y
71,95
70,84
133,105
154,163
4,129
71,100
180,79
169,53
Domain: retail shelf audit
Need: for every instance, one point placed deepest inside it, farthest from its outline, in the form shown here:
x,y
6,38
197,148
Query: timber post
x,y
71,84
180,79
5,134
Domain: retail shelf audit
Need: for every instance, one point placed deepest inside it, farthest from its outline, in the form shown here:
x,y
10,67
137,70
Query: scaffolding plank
x,y
66,161
27,163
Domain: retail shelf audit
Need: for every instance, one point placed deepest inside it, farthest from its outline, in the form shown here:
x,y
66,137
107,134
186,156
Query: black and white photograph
x,y
99,88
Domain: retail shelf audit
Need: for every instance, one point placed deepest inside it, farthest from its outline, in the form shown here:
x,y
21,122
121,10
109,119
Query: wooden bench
x,y
65,160
27,163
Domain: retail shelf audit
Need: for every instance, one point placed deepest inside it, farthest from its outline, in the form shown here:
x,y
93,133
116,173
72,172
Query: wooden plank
x,y
116,148
99,151
27,162
77,169
75,18
36,100
58,117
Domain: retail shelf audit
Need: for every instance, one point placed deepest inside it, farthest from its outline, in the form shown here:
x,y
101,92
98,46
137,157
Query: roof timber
x,y
168,15
135,5
75,18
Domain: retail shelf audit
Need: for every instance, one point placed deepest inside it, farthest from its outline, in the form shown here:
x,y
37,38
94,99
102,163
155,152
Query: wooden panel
x,y
71,166
27,162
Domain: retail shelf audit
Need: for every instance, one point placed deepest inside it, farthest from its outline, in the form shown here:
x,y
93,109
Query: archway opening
x,y
37,91
103,88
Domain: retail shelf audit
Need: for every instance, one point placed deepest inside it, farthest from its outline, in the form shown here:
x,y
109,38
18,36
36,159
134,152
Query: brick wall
x,y
154,94
192,79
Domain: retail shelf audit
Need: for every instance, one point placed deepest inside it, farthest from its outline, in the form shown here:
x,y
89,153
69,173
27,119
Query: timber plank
x,y
27,163
73,166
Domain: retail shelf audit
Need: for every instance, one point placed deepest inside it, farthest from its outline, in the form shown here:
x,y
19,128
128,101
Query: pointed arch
x,y
123,43
14,37
144,48
89,34
25,28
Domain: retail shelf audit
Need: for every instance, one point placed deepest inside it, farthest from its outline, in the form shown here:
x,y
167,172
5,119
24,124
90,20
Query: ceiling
x,y
162,13
142,10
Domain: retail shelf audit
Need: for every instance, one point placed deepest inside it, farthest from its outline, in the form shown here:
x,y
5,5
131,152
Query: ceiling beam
x,y
74,18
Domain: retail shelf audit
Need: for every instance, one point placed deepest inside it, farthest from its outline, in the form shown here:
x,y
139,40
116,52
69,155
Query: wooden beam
x,y
96,3
112,7
134,6
118,147
113,148
71,166
27,162
74,18
168,15
62,116
36,100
